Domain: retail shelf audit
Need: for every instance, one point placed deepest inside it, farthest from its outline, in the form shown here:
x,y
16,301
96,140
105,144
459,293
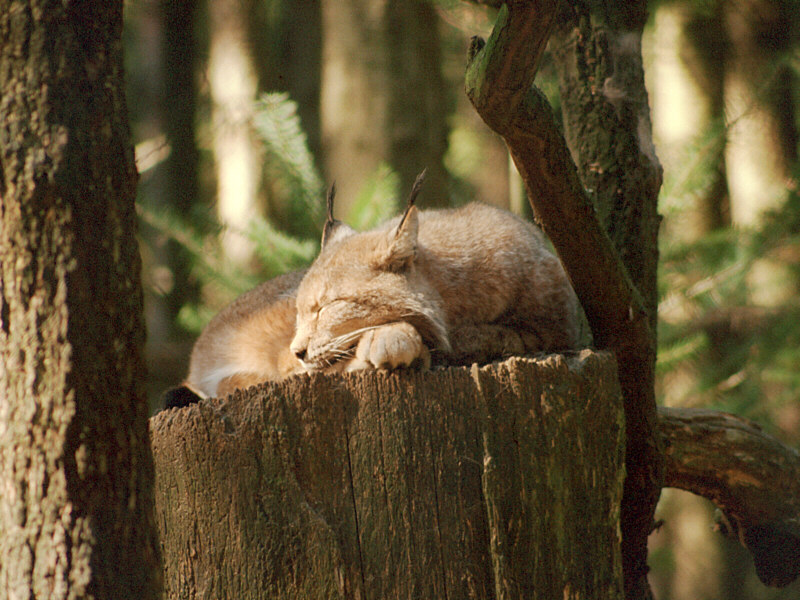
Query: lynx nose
x,y
299,347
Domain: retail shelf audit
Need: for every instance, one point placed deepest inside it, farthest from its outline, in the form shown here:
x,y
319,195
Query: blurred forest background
x,y
244,110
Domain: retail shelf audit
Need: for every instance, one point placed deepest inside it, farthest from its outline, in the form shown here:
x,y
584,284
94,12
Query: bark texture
x,y
494,482
606,239
608,130
750,476
76,471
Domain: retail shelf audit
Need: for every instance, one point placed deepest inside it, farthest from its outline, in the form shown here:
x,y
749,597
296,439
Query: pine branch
x,y
286,148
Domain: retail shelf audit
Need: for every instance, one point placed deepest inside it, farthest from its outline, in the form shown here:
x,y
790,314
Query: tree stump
x,y
501,481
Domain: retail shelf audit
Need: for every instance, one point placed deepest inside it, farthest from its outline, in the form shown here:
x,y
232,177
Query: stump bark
x,y
502,481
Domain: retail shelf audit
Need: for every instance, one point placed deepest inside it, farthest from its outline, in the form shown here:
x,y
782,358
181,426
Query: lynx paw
x,y
389,347
483,343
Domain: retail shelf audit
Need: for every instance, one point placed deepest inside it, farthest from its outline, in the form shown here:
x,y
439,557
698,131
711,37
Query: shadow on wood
x,y
496,482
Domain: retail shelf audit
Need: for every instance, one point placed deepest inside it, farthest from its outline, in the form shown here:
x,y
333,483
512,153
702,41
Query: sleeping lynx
x,y
449,286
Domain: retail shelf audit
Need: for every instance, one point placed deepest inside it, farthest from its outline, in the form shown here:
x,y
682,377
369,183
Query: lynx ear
x,y
403,247
332,228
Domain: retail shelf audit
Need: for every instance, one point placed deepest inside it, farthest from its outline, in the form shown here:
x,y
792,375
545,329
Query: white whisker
x,y
348,337
343,346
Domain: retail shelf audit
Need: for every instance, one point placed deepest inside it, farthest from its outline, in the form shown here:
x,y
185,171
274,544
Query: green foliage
x,y
279,252
208,261
376,201
730,316
288,160
291,169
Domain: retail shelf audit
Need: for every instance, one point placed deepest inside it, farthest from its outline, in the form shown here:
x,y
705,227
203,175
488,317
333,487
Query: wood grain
x,y
495,482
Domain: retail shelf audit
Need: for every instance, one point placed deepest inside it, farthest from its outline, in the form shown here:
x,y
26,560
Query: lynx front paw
x,y
389,347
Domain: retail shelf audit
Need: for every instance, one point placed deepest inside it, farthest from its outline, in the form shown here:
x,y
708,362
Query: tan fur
x,y
464,278
248,341
473,283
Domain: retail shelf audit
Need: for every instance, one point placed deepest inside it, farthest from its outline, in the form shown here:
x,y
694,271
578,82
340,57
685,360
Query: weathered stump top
x,y
501,481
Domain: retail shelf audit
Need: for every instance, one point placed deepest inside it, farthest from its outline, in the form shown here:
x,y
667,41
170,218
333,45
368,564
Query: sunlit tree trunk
x,y
76,471
382,96
233,86
762,146
762,140
353,103
706,46
686,85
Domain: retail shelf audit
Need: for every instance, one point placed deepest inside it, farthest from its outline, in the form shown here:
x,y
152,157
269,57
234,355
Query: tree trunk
x,y
417,104
382,96
762,138
288,34
612,266
762,148
607,123
233,86
686,84
494,482
76,471
179,101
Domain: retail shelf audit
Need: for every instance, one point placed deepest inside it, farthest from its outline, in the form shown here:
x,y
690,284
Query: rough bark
x,y
494,482
607,125
612,266
76,471
750,476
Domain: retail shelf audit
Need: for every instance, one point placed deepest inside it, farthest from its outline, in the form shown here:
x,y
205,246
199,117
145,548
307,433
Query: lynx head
x,y
360,281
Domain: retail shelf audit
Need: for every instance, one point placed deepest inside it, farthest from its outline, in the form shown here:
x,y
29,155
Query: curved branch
x,y
498,78
613,306
753,479
500,85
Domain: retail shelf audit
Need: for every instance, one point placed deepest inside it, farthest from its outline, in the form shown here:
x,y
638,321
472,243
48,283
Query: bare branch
x,y
499,83
498,76
753,478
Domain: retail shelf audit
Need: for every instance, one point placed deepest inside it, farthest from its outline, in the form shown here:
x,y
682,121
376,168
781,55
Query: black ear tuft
x,y
415,189
330,222
179,397
412,197
329,201
333,227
